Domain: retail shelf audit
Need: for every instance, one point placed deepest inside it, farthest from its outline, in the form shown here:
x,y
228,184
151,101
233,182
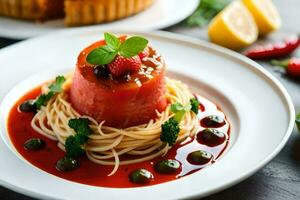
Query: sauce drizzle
x,y
89,173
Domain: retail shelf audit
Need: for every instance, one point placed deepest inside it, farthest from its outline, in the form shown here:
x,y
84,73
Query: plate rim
x,y
256,68
18,35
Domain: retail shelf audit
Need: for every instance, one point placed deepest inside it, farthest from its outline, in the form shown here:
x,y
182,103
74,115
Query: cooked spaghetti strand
x,y
106,144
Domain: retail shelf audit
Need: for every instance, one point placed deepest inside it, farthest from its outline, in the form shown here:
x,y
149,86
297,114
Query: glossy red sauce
x,y
93,174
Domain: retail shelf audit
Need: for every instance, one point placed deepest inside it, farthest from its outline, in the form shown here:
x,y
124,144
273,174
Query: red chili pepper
x,y
279,49
292,66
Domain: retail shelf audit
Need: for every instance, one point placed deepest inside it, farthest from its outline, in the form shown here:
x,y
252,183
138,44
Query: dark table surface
x,y
280,179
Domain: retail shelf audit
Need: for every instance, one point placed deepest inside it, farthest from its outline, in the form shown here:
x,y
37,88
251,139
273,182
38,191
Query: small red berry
x,y
144,54
293,68
121,65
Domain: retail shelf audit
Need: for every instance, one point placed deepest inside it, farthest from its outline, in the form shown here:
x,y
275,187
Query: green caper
x,y
67,164
140,176
199,157
168,166
28,106
34,144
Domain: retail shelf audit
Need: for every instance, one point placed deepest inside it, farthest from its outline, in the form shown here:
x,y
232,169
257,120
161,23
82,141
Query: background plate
x,y
258,107
162,14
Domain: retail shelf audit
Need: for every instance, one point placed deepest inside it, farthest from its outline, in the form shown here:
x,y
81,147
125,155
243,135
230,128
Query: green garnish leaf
x,y
73,148
112,41
133,46
175,107
195,105
57,86
101,56
298,122
75,142
43,99
81,127
170,131
206,11
298,118
106,54
179,110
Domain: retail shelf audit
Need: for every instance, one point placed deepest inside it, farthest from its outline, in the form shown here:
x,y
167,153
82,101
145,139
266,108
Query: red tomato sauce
x,y
89,173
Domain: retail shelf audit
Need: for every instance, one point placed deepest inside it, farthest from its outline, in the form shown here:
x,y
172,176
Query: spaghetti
x,y
107,144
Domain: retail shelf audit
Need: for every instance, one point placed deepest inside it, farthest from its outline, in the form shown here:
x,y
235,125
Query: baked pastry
x,y
32,9
77,12
83,12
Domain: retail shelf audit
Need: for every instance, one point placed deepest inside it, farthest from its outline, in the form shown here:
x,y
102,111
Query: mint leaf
x,y
101,56
106,54
112,41
57,86
132,46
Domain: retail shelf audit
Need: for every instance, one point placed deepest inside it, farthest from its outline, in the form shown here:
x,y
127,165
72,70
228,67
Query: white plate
x,y
162,14
257,105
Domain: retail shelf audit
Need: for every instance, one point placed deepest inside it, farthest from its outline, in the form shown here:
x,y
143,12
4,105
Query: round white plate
x,y
258,107
162,14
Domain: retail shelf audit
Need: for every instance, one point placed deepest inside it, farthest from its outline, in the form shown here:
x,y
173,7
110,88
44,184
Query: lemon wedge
x,y
265,14
234,27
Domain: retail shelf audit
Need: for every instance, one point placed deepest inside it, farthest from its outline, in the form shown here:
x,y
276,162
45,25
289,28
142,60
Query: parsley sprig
x,y
106,54
194,105
170,129
54,88
74,143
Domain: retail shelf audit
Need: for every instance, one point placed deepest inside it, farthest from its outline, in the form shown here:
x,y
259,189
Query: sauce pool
x,y
89,173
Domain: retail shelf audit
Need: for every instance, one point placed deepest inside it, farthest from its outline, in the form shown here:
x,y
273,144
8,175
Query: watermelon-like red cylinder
x,y
125,101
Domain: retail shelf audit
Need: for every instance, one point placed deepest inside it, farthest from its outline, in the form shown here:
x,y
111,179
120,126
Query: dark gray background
x,y
280,179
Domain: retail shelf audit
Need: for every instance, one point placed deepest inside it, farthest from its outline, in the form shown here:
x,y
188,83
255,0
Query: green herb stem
x,y
54,88
170,129
206,11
